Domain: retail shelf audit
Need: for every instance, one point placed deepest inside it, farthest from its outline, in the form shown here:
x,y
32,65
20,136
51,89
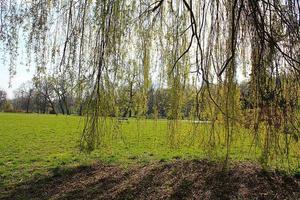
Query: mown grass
x,y
33,145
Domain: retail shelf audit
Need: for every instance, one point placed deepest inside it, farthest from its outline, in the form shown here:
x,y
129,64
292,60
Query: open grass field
x,y
32,145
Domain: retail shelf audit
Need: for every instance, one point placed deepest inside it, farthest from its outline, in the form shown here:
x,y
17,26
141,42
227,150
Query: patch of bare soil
x,y
178,180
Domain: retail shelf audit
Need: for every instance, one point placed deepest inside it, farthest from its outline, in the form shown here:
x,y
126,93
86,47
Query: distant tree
x,y
45,95
8,107
151,102
162,102
245,98
3,96
62,87
23,97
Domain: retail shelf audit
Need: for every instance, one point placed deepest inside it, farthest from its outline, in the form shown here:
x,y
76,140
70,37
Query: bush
x,y
52,112
8,107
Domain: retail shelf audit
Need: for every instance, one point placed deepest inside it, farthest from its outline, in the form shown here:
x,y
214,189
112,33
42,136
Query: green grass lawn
x,y
33,145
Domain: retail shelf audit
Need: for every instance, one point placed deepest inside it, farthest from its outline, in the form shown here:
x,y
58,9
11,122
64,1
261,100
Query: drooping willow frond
x,y
110,51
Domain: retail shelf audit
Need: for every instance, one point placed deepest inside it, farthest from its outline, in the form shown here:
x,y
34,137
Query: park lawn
x,y
33,145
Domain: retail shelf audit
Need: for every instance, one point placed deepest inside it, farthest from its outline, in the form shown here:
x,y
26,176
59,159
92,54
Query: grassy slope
x,y
34,144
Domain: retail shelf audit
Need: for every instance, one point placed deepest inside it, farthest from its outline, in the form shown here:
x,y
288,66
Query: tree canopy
x,y
98,47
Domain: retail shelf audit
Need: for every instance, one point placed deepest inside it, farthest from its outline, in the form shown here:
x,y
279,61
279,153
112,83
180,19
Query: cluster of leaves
x,y
100,46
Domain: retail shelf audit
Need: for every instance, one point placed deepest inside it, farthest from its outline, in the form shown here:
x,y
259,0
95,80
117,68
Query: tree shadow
x,y
178,180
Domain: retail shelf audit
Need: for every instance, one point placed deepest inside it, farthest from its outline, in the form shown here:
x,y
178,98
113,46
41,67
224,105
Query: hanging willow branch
x,y
108,52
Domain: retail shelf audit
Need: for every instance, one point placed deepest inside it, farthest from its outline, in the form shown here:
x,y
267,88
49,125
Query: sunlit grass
x,y
32,144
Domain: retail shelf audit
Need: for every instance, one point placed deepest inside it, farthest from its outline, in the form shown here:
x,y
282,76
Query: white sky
x,y
23,72
22,76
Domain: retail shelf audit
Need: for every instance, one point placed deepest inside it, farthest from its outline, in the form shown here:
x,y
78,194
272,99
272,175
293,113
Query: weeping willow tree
x,y
109,50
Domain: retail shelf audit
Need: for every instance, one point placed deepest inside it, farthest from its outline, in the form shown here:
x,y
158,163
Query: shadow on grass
x,y
41,186
178,180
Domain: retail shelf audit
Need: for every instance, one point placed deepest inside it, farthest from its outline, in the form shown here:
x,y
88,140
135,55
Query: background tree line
x,y
50,96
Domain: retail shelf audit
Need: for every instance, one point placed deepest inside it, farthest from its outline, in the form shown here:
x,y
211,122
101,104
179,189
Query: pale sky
x,y
22,76
24,73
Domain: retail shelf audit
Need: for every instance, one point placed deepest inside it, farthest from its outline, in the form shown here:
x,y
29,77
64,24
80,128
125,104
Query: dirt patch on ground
x,y
178,180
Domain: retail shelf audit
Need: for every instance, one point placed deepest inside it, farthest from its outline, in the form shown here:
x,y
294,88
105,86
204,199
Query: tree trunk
x,y
61,105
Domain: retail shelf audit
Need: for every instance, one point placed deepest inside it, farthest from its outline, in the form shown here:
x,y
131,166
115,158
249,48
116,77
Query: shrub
x,y
8,107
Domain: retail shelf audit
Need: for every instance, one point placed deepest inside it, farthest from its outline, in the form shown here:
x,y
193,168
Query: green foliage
x,y
103,52
8,107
